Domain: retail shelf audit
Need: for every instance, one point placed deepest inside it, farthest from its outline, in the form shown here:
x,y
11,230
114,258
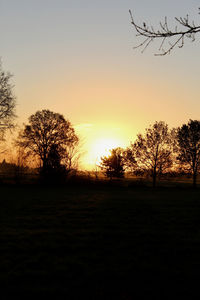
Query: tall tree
x,y
113,164
185,28
7,101
188,137
153,150
47,137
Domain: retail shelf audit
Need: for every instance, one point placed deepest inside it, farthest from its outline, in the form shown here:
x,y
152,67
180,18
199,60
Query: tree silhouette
x,y
188,137
7,101
113,164
71,155
47,137
176,37
54,157
153,150
129,158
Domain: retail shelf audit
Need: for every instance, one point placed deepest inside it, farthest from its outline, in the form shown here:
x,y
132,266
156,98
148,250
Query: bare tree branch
x,y
175,37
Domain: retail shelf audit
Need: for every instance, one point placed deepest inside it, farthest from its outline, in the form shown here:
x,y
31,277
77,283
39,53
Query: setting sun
x,y
101,147
98,139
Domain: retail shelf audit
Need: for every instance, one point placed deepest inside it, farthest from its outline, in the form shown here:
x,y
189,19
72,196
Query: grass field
x,y
99,242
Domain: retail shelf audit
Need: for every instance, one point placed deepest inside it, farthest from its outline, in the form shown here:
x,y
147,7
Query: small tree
x,y
113,164
188,137
47,137
153,150
71,156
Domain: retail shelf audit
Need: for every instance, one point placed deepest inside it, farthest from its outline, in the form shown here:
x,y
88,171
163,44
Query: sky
x,y
76,57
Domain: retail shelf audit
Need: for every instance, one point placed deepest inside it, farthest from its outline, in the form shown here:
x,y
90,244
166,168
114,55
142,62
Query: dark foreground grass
x,y
99,243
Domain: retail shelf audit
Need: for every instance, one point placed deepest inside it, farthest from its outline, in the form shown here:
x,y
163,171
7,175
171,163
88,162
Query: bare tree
x,y
7,102
48,137
188,137
72,155
169,38
129,158
153,150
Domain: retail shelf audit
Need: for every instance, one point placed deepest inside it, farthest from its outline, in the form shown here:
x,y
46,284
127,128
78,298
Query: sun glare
x,y
99,140
101,147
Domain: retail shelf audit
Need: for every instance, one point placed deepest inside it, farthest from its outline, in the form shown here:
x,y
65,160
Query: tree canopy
x,y
153,150
47,137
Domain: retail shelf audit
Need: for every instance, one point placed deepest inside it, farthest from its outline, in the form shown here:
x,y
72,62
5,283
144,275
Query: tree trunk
x,y
194,179
154,178
155,168
44,165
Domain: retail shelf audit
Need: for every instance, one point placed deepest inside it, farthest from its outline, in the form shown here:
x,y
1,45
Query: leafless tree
x,y
188,137
169,38
129,158
72,155
7,102
47,135
153,150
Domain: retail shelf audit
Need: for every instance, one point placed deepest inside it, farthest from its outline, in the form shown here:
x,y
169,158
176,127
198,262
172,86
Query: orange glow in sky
x,y
98,140
78,60
101,147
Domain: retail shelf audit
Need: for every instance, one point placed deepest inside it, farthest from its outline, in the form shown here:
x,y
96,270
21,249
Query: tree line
x,y
50,139
158,151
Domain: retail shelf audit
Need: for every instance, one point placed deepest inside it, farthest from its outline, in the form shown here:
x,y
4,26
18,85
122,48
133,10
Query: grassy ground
x,y
99,242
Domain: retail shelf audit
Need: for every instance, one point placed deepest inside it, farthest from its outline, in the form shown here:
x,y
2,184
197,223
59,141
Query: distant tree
x,y
153,150
113,165
48,136
188,137
71,156
185,28
129,158
7,102
20,161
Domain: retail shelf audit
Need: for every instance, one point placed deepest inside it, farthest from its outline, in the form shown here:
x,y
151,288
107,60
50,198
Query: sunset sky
x,y
76,57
